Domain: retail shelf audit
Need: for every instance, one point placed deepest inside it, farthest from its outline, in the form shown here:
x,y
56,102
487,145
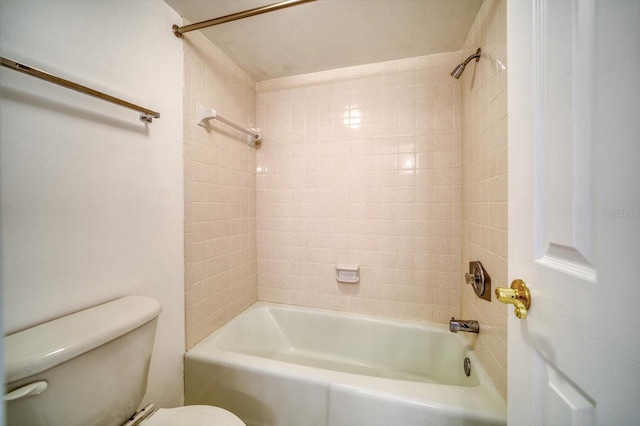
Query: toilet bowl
x,y
190,415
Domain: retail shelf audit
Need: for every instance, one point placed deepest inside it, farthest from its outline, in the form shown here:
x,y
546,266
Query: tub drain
x,y
467,366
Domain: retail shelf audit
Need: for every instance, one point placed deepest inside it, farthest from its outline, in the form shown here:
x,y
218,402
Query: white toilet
x,y
90,368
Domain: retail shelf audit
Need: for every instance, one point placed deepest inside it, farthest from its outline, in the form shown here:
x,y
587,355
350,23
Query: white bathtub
x,y
279,365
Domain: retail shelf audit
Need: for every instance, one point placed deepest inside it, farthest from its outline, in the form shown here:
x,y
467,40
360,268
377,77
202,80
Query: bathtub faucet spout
x,y
470,326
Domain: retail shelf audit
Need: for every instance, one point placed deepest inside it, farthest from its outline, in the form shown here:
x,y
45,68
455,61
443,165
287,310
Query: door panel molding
x,y
563,141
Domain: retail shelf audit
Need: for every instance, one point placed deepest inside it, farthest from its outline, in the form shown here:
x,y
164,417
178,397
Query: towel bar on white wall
x,y
146,115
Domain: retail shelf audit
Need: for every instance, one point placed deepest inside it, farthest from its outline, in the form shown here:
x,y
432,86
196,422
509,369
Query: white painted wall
x,y
91,199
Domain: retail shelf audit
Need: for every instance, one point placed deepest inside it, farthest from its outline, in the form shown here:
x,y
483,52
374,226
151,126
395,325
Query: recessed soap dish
x,y
349,274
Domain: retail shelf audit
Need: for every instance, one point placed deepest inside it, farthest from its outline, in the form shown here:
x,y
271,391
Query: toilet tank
x,y
94,363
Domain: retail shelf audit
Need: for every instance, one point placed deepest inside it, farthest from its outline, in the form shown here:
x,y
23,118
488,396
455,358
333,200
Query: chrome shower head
x,y
457,72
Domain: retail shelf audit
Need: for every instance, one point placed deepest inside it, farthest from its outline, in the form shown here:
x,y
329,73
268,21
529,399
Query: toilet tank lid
x,y
44,346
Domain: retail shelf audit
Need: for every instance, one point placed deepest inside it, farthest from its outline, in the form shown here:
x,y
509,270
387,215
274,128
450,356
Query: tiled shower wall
x,y
362,166
220,195
484,176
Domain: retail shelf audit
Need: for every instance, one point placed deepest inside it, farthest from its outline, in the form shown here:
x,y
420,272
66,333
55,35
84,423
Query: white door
x,y
574,211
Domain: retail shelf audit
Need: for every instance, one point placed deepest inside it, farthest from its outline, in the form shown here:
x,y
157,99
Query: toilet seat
x,y
193,415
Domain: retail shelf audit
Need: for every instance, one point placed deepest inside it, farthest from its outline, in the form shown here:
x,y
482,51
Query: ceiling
x,y
329,34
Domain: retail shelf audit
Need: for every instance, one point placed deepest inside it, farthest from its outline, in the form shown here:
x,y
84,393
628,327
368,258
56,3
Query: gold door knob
x,y
517,295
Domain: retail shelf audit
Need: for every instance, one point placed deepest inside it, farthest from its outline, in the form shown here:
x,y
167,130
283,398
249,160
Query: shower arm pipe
x,y
146,115
459,69
475,56
178,31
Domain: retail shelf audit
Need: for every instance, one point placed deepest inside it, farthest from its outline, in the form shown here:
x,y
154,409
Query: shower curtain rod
x,y
146,115
178,31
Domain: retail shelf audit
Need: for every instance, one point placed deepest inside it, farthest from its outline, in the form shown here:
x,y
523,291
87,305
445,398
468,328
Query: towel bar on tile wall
x,y
204,113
